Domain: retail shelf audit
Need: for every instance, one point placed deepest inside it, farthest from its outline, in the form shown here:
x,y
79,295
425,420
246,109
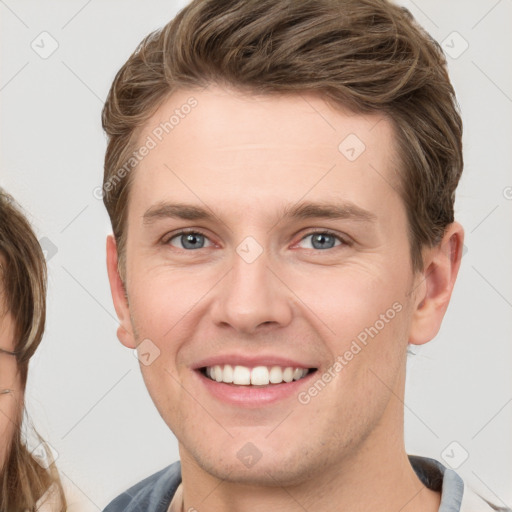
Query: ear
x,y
435,283
117,288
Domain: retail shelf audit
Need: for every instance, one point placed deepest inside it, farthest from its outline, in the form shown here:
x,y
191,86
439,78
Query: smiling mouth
x,y
257,376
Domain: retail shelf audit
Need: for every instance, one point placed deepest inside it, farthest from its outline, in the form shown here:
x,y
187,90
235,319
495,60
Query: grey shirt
x,y
154,494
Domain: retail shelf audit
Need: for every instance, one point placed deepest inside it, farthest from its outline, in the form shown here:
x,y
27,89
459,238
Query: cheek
x,y
354,301
162,314
365,316
160,301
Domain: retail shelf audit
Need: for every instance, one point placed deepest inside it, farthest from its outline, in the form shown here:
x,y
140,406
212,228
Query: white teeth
x,y
218,373
227,374
297,374
241,376
276,375
258,376
288,374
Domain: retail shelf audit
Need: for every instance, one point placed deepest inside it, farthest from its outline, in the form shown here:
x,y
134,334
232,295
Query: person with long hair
x,y
26,482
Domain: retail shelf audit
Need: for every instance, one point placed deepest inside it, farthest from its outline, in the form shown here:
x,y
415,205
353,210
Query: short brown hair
x,y
365,55
23,481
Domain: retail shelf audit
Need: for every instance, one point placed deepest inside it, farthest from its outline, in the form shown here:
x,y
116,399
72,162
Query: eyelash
x,y
344,242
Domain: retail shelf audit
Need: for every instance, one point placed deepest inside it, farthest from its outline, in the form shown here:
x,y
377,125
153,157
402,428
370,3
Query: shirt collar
x,y
438,478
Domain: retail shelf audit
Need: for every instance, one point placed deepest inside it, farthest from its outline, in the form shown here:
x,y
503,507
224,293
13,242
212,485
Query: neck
x,y
359,482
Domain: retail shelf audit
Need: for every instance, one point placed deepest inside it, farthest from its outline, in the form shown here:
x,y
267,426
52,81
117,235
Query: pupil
x,y
190,241
320,239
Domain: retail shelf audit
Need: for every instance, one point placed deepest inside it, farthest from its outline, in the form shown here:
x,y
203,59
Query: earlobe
x,y
435,285
117,288
126,337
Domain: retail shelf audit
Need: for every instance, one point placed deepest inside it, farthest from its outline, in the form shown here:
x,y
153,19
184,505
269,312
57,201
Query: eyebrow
x,y
176,211
310,210
304,210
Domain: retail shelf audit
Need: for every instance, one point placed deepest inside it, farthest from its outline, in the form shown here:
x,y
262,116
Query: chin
x,y
250,466
269,474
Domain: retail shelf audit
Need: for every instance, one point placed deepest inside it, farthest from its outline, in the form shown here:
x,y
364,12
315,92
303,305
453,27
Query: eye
x,y
323,240
189,240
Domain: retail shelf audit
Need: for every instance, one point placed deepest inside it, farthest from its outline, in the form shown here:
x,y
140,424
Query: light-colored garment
x,y
177,500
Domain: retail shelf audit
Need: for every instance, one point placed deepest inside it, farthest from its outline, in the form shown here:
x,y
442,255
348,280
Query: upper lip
x,y
251,361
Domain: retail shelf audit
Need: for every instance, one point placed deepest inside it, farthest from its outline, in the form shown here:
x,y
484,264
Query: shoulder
x,y
153,494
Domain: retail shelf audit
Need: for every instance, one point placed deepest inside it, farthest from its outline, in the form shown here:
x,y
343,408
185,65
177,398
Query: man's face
x,y
257,286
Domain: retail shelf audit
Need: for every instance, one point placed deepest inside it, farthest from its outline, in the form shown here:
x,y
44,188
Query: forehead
x,y
250,151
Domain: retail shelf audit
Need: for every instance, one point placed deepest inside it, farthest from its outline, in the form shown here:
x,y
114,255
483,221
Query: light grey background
x,y
85,392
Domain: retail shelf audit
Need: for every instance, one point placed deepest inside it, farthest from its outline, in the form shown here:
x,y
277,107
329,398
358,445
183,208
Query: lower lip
x,y
253,396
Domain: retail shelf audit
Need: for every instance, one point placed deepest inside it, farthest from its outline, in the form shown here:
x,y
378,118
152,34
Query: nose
x,y
252,297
